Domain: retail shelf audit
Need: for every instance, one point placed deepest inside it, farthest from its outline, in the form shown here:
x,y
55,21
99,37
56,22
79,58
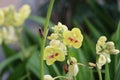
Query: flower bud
x,y
92,64
48,77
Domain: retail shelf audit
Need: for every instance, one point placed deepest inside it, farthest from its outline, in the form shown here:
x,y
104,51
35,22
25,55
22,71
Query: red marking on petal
x,y
56,54
71,39
76,41
51,56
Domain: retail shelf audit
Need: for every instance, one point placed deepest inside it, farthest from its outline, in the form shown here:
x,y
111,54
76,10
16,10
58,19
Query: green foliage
x,y
93,19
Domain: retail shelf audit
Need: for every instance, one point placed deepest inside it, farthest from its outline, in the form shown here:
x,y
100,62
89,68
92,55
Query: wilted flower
x,y
100,44
110,47
101,61
72,67
104,49
73,38
48,77
52,54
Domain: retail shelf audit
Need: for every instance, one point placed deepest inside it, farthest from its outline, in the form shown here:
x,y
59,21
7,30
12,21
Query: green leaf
x,y
9,60
117,75
7,50
30,38
91,28
18,72
84,72
116,39
116,36
89,48
34,64
40,20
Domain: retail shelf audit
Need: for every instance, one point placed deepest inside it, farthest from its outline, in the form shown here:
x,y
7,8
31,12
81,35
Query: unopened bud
x,y
41,32
92,64
48,77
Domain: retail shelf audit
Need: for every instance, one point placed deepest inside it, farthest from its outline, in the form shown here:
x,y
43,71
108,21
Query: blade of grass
x,y
91,28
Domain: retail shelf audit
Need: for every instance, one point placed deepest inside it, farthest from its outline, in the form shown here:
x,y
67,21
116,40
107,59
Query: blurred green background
x,y
94,17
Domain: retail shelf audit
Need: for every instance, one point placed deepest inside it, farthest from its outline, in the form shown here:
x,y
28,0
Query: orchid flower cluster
x,y
104,50
62,38
10,20
57,50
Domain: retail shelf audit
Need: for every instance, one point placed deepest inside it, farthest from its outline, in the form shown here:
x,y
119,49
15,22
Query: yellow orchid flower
x,y
52,54
58,31
60,28
73,38
53,36
1,16
25,11
9,16
58,44
18,19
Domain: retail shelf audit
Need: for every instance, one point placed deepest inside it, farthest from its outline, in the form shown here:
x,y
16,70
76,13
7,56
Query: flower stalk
x,y
44,39
107,75
99,73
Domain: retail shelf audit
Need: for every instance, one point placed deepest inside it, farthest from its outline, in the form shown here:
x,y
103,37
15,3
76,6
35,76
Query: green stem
x,y
44,39
107,75
23,50
60,77
74,77
98,70
69,58
99,73
20,42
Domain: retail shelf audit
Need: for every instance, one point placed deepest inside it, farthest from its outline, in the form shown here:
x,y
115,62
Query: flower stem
x,y
69,58
44,39
99,73
60,77
20,42
107,75
74,77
